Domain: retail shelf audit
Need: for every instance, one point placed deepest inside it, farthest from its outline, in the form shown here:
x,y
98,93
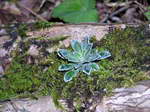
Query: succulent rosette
x,y
82,58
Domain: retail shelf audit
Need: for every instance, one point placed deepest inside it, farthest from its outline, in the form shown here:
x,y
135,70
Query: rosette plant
x,y
82,59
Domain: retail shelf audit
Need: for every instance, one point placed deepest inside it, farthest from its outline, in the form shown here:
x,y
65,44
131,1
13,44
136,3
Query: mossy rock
x,y
127,65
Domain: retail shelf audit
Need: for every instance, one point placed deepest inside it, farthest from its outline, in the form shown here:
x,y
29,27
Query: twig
x,y
119,11
127,5
142,8
115,13
105,18
116,19
118,4
31,11
14,106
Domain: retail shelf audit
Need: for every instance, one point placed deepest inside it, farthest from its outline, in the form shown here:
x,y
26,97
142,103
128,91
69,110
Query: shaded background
x,y
110,11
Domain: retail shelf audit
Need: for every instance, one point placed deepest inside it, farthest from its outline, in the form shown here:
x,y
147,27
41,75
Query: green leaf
x,y
74,57
63,53
94,66
87,69
147,14
93,56
86,46
65,67
104,54
69,75
76,11
76,45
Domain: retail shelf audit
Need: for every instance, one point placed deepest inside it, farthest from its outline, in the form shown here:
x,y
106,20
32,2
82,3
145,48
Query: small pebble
x,y
1,71
3,52
33,50
3,32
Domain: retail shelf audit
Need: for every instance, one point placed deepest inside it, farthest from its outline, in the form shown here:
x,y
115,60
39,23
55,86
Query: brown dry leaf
x,y
12,8
30,4
6,17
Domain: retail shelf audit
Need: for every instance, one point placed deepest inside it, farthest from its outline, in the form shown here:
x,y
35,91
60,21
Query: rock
x,y
4,60
33,50
135,99
3,52
43,104
3,39
77,32
12,8
1,71
3,32
74,31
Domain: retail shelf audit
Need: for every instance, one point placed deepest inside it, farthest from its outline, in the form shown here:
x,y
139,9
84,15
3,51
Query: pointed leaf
x,y
76,45
104,54
78,65
87,69
63,53
87,49
94,66
69,75
86,40
93,56
86,46
65,67
74,57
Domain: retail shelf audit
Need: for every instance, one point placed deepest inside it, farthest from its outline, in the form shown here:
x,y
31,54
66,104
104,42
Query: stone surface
x,y
3,52
33,50
43,104
3,32
1,71
77,32
135,99
3,39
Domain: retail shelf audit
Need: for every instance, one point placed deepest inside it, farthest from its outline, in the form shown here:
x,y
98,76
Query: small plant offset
x,y
82,59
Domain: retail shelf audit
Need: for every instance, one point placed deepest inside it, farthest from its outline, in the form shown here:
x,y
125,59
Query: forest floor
x,y
110,11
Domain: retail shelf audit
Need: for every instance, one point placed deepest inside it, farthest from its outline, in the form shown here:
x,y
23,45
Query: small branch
x,y
119,11
118,4
114,13
14,106
31,11
142,8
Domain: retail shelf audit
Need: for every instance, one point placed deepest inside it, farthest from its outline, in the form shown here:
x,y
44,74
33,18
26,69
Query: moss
x,y
52,40
22,29
130,52
20,79
43,24
121,70
13,1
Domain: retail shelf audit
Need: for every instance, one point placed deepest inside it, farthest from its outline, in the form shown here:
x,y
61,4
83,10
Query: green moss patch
x,y
127,65
20,79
